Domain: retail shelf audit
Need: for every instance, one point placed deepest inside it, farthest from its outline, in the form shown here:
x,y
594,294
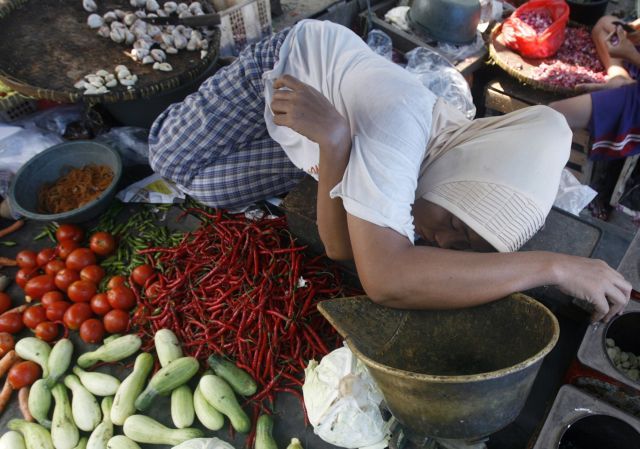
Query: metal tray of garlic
x,y
101,50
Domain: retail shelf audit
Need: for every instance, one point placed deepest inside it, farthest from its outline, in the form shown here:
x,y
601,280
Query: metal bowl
x,y
452,21
457,374
49,165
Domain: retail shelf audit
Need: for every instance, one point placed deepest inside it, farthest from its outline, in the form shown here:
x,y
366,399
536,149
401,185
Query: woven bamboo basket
x,y
50,47
522,68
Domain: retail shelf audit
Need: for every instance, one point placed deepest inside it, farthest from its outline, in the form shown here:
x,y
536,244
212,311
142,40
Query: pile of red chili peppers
x,y
242,289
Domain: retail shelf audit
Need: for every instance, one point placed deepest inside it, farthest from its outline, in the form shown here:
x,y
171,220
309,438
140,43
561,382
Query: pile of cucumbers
x,y
123,403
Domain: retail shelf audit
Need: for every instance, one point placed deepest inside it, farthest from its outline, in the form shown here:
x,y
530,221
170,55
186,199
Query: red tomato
x,y
54,266
27,259
64,278
77,314
65,248
141,273
81,291
55,312
92,331
11,322
33,316
121,297
24,274
116,321
7,342
51,297
116,280
23,374
93,273
100,304
45,256
47,331
80,258
5,302
39,285
69,232
102,243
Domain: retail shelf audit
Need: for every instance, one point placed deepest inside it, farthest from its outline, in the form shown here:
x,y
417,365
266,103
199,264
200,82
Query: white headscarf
x,y
499,175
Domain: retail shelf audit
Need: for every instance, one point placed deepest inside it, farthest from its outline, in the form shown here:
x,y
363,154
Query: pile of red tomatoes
x,y
63,285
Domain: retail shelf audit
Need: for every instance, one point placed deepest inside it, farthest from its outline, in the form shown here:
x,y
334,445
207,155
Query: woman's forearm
x,y
332,219
434,278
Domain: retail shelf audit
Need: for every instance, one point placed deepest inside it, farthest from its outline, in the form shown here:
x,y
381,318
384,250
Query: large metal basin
x,y
459,374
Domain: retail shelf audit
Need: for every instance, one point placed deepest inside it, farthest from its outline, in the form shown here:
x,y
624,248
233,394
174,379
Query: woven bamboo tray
x,y
521,68
47,47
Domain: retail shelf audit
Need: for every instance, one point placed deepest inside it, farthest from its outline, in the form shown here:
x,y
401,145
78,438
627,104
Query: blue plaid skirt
x,y
214,145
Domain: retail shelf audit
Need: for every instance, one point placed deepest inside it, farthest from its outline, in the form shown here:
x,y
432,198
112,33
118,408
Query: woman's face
x,y
441,228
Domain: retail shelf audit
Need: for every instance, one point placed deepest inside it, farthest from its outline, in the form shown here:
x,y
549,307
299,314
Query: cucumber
x,y
239,379
167,379
122,442
143,429
264,437
167,346
36,350
40,402
295,444
182,412
98,384
82,444
211,418
59,360
84,406
35,436
12,440
115,350
64,433
103,433
219,394
123,402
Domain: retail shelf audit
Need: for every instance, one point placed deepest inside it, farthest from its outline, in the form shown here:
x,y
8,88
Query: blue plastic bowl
x,y
49,165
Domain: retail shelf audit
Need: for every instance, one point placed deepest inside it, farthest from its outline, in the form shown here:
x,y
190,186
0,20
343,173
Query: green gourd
x,y
130,388
35,436
167,379
220,395
143,429
64,433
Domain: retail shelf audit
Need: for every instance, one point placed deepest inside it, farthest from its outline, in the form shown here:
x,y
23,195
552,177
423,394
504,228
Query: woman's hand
x,y
619,45
594,281
308,112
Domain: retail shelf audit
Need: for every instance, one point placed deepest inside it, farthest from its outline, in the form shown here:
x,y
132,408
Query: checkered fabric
x,y
215,146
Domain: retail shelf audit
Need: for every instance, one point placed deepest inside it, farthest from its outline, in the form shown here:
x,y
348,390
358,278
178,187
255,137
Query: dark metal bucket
x,y
453,21
458,374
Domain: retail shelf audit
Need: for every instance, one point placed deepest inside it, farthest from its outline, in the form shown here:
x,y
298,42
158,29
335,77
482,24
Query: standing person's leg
x,y
215,144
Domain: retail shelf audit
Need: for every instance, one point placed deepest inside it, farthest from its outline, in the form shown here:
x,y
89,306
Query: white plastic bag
x,y
20,145
573,196
439,76
131,142
204,443
343,402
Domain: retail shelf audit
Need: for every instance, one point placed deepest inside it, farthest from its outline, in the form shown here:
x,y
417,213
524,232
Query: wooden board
x,y
48,46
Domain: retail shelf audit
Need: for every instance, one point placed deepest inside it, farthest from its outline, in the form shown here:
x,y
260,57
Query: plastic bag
x,y
343,402
573,196
522,38
18,145
204,443
131,143
438,75
380,42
